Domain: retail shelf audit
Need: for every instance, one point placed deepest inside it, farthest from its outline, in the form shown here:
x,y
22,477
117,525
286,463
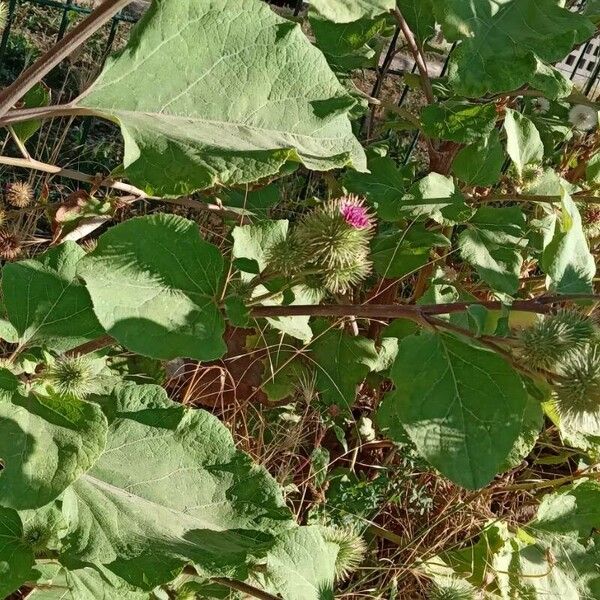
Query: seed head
x,y
590,217
540,105
577,397
555,337
341,280
89,245
451,588
10,245
583,118
351,549
336,232
19,194
334,240
286,257
531,175
73,376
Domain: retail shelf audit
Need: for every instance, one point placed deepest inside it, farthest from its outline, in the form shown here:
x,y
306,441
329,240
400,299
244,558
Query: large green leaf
x,y
16,558
342,362
420,17
349,46
555,557
300,566
45,444
573,509
155,285
345,11
45,302
458,121
436,197
83,582
505,43
592,10
256,202
383,187
533,422
559,556
38,95
397,253
549,569
523,142
253,242
245,92
493,243
170,488
567,260
480,164
460,404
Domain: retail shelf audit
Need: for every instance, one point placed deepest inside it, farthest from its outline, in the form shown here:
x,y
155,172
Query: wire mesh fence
x,y
50,20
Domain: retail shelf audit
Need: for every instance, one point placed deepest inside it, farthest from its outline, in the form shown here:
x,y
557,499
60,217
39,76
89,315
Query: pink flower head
x,y
355,213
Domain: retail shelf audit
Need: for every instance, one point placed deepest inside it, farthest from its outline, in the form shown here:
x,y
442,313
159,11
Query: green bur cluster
x,y
553,338
451,589
73,376
577,398
351,552
329,248
567,343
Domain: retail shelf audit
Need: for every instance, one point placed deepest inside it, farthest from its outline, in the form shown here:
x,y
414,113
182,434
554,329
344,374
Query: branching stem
x,y
417,54
41,67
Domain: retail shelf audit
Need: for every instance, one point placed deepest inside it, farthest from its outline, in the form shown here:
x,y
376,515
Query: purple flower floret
x,y
355,213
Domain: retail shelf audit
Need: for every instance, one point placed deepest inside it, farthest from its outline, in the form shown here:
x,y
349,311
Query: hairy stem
x,y
416,52
23,115
394,311
108,182
245,588
36,165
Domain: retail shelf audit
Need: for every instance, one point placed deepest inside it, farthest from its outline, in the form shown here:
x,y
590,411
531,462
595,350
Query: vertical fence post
x,y
12,7
64,22
417,134
382,71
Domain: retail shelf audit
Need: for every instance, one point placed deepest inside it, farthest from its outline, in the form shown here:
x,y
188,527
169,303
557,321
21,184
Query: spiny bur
x,y
451,589
531,175
351,549
19,194
590,217
285,257
74,376
10,245
577,396
556,336
331,244
336,234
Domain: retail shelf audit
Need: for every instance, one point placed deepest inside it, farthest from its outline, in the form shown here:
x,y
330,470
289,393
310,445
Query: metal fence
x,y
69,10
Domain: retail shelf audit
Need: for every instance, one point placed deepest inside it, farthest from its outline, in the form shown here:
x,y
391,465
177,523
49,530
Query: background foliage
x,y
291,335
